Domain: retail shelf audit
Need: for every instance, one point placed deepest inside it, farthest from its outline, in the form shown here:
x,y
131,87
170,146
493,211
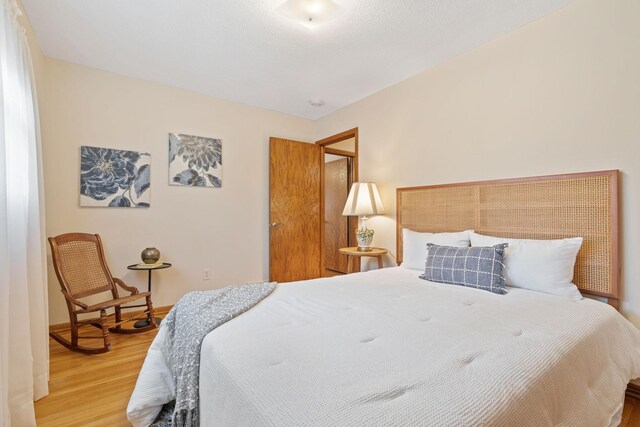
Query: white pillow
x,y
414,245
538,265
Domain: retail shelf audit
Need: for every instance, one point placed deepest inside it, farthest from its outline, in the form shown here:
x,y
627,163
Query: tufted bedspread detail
x,y
387,348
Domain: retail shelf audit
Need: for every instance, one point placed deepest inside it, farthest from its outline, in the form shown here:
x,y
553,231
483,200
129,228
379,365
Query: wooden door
x,y
336,233
294,210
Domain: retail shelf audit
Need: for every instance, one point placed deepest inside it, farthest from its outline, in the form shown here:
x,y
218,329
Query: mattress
x,y
387,348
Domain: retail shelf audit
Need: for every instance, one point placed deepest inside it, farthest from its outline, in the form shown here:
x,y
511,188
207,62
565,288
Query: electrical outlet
x,y
206,274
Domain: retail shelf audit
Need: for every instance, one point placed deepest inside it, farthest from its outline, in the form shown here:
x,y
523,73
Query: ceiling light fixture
x,y
316,102
310,13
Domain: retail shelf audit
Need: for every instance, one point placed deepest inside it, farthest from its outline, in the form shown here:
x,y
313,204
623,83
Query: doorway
x,y
339,169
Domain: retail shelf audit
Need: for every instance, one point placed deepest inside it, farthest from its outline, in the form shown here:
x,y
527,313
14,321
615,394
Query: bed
x,y
388,348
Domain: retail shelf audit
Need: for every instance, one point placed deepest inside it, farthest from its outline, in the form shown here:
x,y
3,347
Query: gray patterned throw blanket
x,y
187,324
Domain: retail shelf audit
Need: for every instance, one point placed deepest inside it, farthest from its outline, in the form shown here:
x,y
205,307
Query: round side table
x,y
355,256
143,323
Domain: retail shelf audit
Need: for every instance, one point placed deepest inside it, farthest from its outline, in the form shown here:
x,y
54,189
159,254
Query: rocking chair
x,y
82,271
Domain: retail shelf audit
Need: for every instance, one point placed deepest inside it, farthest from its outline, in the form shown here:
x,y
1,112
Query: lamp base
x,y
364,236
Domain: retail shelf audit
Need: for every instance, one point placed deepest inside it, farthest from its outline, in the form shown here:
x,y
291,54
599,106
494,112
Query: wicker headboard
x,y
550,207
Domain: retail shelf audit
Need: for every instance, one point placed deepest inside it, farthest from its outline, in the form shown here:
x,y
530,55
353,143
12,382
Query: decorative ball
x,y
150,255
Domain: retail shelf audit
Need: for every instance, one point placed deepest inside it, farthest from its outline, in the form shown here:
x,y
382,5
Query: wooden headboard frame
x,y
547,207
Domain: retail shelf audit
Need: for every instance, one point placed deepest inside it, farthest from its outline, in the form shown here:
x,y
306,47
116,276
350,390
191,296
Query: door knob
x,y
274,224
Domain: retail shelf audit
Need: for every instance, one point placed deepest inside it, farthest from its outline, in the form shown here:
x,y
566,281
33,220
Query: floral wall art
x,y
195,161
114,178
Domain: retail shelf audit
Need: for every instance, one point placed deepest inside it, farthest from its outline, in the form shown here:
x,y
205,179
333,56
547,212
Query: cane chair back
x,y
80,265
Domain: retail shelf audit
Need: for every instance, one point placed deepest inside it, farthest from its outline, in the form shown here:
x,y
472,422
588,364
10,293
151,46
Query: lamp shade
x,y
363,200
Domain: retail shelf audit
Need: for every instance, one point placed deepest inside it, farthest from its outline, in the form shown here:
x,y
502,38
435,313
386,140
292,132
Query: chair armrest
x,y
133,290
73,300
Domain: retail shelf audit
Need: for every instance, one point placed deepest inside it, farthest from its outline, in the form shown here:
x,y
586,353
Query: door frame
x,y
348,134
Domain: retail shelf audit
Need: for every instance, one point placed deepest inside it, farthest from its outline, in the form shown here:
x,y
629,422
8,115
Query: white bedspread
x,y
386,348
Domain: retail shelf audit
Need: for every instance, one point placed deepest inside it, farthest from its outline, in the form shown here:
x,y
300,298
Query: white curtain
x,y
24,349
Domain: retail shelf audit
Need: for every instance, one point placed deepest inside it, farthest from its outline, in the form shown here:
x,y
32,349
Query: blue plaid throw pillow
x,y
474,267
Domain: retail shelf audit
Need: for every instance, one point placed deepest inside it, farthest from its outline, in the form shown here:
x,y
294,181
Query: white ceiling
x,y
246,51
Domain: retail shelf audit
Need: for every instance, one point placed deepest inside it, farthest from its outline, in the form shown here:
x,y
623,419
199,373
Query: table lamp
x,y
363,200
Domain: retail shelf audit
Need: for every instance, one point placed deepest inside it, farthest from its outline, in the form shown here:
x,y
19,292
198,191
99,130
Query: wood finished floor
x,y
94,390
331,273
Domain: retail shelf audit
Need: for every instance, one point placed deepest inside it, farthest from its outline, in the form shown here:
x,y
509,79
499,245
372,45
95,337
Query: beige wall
x,y
346,145
224,229
559,95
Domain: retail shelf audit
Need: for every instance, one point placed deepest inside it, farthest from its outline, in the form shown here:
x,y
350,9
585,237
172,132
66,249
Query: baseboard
x,y
158,311
633,390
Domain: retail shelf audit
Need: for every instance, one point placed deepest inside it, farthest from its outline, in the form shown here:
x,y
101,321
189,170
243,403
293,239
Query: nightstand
x,y
355,255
